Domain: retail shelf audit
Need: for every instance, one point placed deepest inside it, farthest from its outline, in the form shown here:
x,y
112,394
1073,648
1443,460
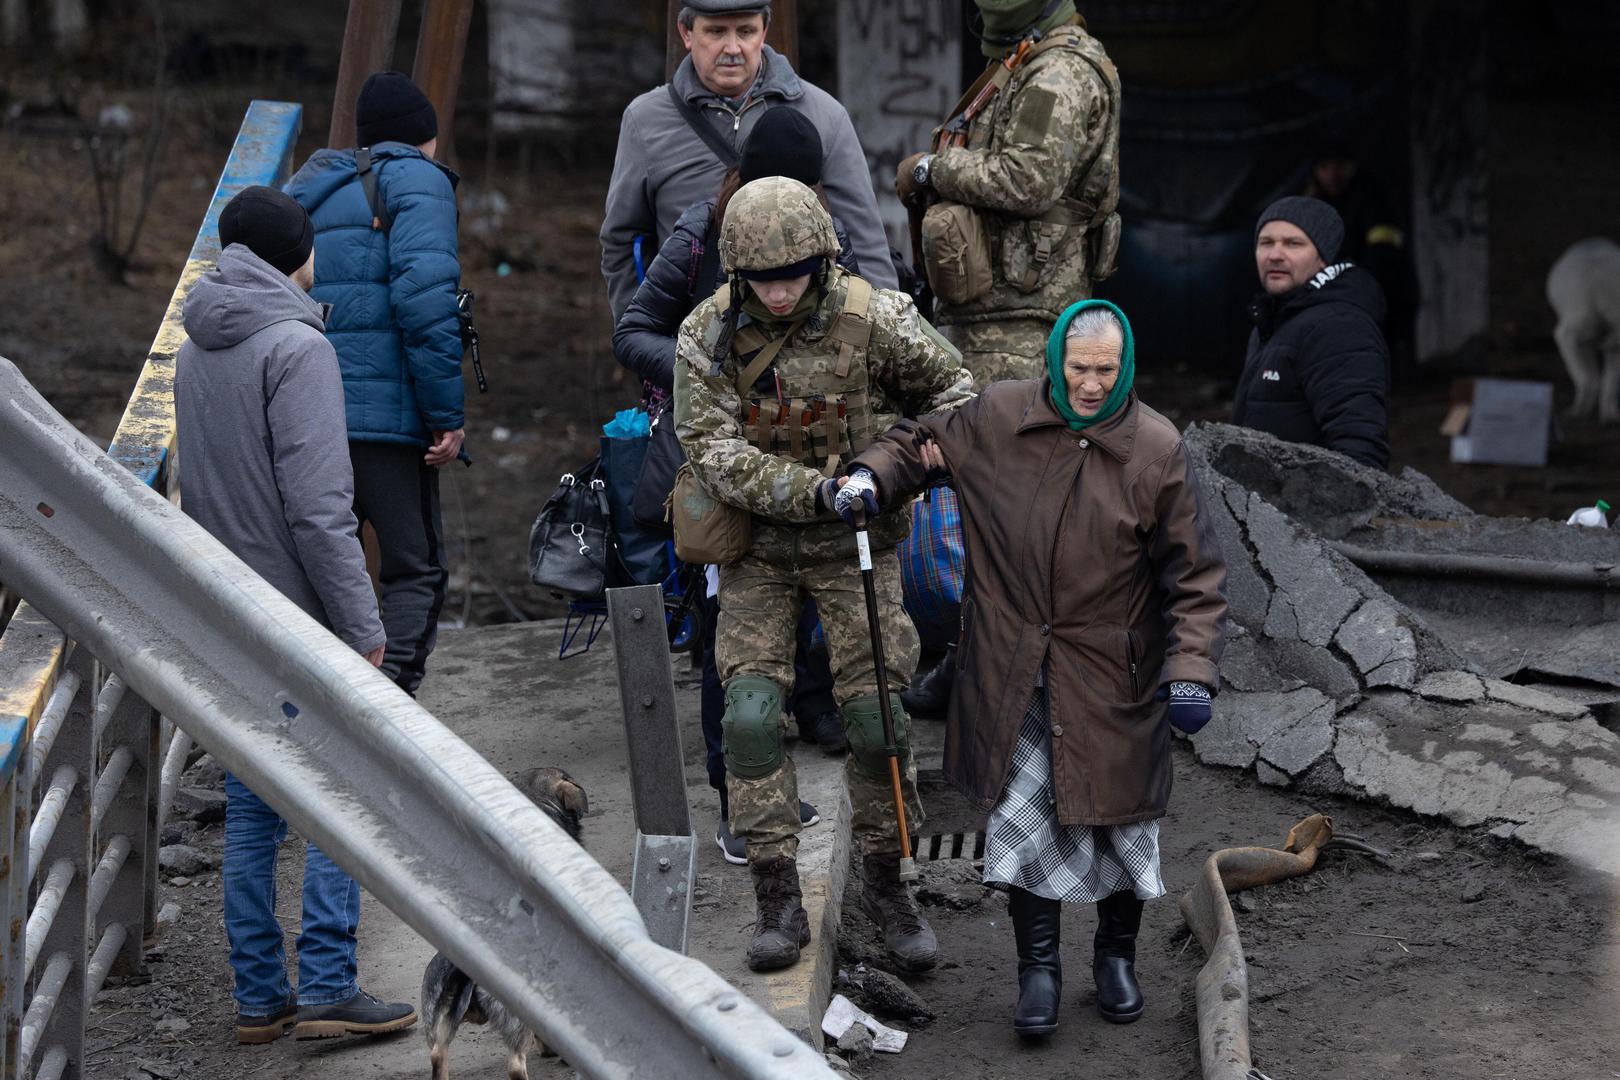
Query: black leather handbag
x,y
571,546
657,478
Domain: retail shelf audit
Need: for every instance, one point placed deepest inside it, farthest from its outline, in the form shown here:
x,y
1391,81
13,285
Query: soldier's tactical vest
x,y
819,409
1032,256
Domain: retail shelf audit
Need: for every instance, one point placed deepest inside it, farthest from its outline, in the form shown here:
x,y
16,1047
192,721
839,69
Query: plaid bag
x,y
931,567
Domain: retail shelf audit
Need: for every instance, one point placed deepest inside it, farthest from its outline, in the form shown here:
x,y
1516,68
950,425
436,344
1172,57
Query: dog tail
x,y
447,993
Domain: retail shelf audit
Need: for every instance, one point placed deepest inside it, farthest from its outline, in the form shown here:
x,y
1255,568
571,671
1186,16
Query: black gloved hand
x,y
1190,706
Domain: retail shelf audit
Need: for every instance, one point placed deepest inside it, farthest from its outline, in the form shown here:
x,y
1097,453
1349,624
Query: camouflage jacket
x,y
909,370
1042,164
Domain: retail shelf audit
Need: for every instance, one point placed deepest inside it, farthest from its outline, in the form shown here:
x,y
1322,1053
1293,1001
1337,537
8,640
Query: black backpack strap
x,y
704,130
368,181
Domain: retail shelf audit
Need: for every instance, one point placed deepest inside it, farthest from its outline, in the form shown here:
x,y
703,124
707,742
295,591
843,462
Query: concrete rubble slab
x,y
1332,681
1529,697
1556,783
1453,686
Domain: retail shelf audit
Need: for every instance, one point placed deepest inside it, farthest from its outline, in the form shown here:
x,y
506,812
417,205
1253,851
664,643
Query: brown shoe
x,y
360,1015
254,1028
782,928
888,902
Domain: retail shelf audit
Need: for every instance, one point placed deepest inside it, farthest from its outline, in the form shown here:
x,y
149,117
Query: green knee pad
x,y
863,726
753,728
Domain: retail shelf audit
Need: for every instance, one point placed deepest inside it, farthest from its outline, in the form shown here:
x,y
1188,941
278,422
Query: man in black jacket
x,y
1317,369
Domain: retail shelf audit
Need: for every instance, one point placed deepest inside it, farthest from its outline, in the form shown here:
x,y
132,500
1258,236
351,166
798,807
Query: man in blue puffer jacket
x,y
391,279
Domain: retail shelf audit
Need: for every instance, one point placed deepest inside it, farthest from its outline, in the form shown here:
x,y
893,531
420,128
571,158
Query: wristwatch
x,y
919,175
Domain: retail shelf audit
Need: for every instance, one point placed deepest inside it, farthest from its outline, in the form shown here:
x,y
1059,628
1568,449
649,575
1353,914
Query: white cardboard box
x,y
1506,422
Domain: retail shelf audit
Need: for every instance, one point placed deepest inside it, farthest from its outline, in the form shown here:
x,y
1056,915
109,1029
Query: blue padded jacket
x,y
393,297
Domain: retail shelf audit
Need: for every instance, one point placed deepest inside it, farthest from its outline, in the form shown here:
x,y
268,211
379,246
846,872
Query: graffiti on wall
x,y
898,75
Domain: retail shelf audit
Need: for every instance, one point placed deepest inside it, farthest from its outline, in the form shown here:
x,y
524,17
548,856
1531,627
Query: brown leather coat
x,y
1091,552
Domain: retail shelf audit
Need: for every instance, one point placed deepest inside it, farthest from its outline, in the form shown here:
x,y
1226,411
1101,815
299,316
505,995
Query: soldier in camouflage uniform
x,y
1041,163
789,370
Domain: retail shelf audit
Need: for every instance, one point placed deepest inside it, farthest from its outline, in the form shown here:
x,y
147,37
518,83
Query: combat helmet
x,y
776,228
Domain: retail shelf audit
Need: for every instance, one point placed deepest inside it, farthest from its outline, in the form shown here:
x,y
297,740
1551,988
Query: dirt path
x,y
1520,982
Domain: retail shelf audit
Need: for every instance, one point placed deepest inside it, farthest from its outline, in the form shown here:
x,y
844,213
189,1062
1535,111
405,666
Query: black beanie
x,y
1315,218
393,109
783,143
271,224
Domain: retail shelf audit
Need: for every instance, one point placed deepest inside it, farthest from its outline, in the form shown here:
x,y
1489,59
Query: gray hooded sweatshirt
x,y
264,445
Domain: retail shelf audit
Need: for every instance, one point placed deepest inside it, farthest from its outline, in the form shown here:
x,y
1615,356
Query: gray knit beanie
x,y
1315,218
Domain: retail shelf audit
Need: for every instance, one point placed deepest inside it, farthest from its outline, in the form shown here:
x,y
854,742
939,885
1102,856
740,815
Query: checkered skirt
x,y
1027,847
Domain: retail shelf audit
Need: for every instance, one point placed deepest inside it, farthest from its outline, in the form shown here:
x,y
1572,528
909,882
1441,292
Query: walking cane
x,y
863,545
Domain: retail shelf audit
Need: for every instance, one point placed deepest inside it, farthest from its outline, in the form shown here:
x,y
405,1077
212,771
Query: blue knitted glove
x,y
1189,705
861,487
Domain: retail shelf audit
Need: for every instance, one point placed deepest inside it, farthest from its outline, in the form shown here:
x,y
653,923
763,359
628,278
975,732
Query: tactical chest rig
x,y
1093,208
821,412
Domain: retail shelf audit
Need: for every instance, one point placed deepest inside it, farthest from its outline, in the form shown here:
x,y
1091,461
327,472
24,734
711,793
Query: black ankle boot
x,y
930,695
1037,923
1113,962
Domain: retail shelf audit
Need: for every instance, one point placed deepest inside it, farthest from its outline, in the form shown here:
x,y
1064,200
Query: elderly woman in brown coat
x,y
1092,623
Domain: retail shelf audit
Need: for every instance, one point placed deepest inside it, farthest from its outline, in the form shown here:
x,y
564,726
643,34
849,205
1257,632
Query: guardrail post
x,y
664,870
77,748
14,907
133,812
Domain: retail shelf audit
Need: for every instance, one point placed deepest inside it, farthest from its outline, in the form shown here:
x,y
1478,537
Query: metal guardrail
x,y
356,766
419,819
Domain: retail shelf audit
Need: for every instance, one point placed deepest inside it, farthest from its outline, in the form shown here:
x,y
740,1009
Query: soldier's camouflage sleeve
x,y
1057,115
915,364
730,468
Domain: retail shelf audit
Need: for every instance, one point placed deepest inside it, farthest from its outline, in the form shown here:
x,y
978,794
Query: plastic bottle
x,y
1595,516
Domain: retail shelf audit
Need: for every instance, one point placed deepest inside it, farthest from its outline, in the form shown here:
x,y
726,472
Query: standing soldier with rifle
x,y
792,367
1012,212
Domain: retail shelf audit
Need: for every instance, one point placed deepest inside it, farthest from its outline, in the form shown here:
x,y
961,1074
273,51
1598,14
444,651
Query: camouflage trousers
x,y
759,608
1006,349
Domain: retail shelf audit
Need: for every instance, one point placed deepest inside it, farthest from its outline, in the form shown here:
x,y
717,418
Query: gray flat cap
x,y
727,7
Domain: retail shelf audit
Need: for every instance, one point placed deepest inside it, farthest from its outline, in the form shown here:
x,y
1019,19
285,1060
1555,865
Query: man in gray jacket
x,y
259,416
729,77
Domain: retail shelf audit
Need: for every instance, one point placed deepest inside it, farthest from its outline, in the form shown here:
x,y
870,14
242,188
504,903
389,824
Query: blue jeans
x,y
326,945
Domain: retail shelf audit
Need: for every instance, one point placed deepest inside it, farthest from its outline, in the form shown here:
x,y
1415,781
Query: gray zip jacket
x,y
663,167
264,444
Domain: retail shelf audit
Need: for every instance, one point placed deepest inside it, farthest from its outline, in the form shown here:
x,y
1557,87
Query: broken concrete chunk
x,y
200,805
1271,775
1301,567
1297,748
180,860
1379,645
1528,697
1221,741
1453,686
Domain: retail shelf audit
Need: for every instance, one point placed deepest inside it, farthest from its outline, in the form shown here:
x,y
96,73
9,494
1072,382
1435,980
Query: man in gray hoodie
x,y
259,416
664,165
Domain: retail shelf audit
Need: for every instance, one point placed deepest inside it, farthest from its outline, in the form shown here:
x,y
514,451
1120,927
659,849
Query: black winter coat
x,y
678,281
1317,370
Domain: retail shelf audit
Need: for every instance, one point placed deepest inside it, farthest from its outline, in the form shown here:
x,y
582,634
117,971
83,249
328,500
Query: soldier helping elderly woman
x,y
1094,611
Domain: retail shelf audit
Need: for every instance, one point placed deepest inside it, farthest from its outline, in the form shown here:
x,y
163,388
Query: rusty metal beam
x,y
783,36
441,46
368,46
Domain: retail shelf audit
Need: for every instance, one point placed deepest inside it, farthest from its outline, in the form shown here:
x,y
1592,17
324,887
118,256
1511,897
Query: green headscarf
x,y
1005,17
1060,386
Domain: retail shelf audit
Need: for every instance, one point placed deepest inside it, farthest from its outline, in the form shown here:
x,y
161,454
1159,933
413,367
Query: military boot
x,y
930,695
888,902
1113,963
781,927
